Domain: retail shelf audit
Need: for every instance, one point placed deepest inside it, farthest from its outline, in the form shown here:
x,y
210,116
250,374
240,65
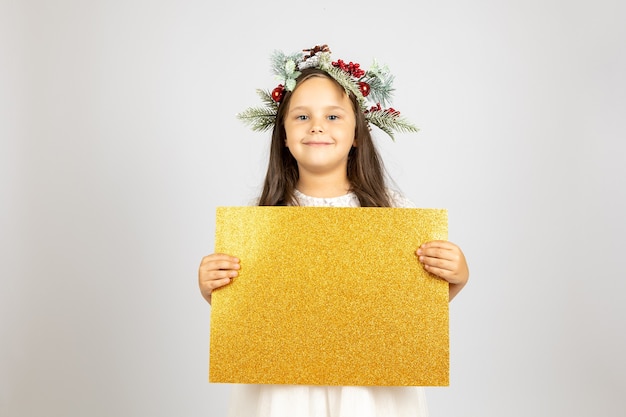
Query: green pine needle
x,y
261,119
278,61
345,80
381,88
266,98
258,119
390,123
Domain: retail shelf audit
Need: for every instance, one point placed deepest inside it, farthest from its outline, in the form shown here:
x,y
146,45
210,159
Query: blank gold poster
x,y
329,296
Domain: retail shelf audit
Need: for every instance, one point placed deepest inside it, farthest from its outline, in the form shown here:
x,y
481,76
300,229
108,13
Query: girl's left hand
x,y
445,260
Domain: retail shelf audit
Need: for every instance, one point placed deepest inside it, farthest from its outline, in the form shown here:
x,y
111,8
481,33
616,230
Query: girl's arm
x,y
216,270
447,261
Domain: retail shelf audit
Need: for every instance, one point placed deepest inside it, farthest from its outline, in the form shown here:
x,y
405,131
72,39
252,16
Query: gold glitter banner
x,y
329,296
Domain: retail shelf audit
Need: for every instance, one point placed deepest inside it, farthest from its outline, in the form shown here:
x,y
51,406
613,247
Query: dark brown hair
x,y
365,168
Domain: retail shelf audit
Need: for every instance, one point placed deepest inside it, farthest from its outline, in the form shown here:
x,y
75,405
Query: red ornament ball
x,y
365,88
277,93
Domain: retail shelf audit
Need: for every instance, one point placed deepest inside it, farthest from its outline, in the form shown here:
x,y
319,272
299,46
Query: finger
x,y
210,286
218,274
451,276
439,253
218,262
216,257
436,244
222,264
438,263
439,272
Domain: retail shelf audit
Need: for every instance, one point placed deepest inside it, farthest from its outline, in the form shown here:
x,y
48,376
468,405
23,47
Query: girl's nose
x,y
316,127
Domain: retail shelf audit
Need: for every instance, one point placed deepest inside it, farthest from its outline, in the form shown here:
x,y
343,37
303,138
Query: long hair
x,y
365,170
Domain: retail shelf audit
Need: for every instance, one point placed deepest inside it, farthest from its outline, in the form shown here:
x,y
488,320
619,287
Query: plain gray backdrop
x,y
119,140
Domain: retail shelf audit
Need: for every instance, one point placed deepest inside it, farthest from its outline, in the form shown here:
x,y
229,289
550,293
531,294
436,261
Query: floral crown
x,y
372,88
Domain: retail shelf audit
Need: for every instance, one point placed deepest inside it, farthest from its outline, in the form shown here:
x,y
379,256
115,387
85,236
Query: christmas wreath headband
x,y
372,87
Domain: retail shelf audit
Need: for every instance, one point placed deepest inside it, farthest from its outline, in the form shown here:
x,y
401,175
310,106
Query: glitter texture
x,y
329,296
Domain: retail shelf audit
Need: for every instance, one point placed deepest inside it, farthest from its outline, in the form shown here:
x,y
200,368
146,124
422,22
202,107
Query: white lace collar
x,y
347,200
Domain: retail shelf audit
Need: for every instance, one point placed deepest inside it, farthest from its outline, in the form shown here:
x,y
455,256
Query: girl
x,y
322,154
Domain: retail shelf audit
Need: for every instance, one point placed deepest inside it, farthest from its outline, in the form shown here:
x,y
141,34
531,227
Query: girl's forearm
x,y
454,289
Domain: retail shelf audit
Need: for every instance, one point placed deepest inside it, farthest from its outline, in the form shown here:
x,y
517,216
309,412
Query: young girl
x,y
322,154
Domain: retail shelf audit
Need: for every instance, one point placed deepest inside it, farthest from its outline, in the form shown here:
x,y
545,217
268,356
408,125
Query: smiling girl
x,y
322,154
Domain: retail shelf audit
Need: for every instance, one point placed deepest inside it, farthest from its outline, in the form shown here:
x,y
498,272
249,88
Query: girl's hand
x,y
216,270
445,260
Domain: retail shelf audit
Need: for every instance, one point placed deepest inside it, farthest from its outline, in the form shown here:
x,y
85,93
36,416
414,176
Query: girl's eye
x,y
302,117
333,117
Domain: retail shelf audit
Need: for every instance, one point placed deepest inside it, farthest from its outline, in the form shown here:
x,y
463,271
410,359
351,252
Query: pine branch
x,y
390,122
258,119
345,80
381,88
266,98
279,66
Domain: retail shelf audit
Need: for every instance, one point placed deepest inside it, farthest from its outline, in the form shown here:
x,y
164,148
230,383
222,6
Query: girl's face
x,y
320,126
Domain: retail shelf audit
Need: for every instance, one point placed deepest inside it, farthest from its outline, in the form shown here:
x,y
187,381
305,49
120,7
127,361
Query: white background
x,y
119,139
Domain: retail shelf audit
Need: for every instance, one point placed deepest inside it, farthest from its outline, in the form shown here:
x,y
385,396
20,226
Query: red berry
x,y
365,88
277,93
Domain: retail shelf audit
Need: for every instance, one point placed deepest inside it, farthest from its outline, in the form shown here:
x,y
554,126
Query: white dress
x,y
249,400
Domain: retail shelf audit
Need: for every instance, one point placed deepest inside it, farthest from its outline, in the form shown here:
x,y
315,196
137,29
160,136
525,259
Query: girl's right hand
x,y
216,270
